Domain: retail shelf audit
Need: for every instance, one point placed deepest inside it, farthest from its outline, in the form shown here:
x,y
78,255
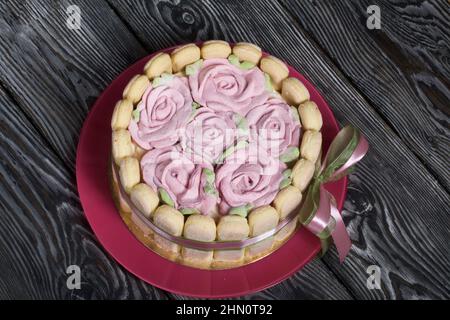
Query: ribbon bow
x,y
319,213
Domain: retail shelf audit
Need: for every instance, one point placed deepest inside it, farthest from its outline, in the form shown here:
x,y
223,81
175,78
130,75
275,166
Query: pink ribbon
x,y
327,208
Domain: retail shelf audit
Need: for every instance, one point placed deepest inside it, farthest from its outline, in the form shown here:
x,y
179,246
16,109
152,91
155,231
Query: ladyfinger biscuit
x,y
302,173
159,64
120,201
287,200
121,145
276,69
247,52
183,56
202,228
172,221
260,220
215,49
129,173
311,145
122,115
135,88
294,91
230,228
310,116
144,198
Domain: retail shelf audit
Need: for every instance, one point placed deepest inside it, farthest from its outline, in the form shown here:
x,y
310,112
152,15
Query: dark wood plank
x,y
56,73
403,69
42,226
396,210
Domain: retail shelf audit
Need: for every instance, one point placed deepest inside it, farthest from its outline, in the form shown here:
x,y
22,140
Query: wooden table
x,y
392,83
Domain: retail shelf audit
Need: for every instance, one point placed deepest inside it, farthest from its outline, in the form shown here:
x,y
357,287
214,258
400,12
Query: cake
x,y
213,143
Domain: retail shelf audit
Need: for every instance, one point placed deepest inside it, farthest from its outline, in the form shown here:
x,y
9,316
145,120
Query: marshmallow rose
x,y
162,111
248,177
183,178
273,126
209,134
221,86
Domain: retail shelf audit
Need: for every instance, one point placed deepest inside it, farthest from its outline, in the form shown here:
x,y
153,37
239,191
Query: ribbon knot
x,y
319,213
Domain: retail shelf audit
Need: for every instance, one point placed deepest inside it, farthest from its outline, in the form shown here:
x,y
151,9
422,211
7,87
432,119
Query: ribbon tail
x,y
340,235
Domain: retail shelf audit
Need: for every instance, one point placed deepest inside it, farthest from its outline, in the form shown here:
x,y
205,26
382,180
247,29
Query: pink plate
x,y
93,186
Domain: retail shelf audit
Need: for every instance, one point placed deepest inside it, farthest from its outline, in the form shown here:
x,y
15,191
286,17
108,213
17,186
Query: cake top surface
x,y
216,137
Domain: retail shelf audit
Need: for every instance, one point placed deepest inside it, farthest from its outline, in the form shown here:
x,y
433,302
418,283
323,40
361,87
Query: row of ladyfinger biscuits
x,y
197,227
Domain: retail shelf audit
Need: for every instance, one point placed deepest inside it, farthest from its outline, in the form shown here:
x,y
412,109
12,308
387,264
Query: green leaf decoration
x,y
210,189
189,211
195,105
247,65
210,176
162,80
239,211
295,114
229,151
268,83
285,182
291,154
287,173
240,122
193,68
136,114
234,60
165,197
249,207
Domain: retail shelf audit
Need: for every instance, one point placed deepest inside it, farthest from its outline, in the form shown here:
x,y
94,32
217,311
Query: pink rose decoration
x,y
273,126
221,86
181,177
248,176
209,134
163,111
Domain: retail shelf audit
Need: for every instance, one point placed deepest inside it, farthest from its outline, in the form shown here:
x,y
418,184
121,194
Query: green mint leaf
x,y
239,211
165,197
291,154
136,114
193,68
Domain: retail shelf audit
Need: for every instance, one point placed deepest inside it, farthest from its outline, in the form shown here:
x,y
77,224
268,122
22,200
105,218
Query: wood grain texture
x,y
42,226
403,69
396,210
56,73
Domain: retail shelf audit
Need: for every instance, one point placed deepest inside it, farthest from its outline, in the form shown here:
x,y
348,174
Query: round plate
x,y
92,165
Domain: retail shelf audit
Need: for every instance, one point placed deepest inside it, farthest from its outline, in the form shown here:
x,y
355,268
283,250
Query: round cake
x,y
213,144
